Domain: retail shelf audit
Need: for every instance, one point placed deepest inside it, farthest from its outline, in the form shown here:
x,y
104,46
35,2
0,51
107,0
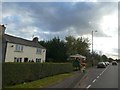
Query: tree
x,y
56,50
82,45
77,46
59,50
110,59
104,58
70,45
96,57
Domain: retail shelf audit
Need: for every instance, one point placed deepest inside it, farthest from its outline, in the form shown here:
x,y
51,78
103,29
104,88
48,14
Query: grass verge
x,y
43,82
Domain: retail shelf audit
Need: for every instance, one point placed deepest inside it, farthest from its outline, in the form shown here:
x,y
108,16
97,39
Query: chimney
x,y
35,39
2,29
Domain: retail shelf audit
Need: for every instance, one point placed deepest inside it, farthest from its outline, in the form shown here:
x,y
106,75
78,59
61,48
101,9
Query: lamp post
x,y
101,56
92,47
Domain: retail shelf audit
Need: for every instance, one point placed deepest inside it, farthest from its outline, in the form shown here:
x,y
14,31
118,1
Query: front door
x,y
25,59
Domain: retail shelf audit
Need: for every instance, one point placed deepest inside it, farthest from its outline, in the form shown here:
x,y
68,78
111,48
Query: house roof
x,y
17,40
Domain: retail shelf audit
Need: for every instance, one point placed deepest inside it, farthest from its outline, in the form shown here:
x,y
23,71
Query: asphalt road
x,y
100,78
108,79
0,82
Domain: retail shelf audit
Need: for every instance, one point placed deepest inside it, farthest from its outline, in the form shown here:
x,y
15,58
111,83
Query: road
x,y
0,81
100,78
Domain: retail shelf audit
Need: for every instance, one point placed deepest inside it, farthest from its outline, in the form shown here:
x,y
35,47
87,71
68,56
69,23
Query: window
x,y
39,51
20,59
38,59
19,48
17,59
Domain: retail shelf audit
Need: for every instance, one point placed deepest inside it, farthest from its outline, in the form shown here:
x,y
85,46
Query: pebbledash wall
x,y
28,52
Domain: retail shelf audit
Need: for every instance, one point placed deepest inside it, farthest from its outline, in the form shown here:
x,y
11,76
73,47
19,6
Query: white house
x,y
15,49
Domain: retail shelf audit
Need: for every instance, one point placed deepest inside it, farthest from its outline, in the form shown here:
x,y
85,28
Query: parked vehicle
x,y
107,63
101,65
114,63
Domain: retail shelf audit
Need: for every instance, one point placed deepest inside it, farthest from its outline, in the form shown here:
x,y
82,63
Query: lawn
x,y
43,82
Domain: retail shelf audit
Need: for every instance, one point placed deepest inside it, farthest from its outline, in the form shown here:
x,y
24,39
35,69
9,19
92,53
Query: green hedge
x,y
15,73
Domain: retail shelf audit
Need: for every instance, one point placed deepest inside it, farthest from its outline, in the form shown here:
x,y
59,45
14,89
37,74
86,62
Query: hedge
x,y
16,73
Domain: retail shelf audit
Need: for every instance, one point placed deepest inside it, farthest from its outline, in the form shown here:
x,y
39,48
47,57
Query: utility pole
x,y
92,48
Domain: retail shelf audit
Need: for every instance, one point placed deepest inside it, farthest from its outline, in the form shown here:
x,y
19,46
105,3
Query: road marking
x,y
93,80
97,76
104,70
96,79
88,86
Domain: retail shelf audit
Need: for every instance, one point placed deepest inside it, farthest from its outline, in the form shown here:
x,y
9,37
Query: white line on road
x,y
97,76
88,86
96,79
104,71
93,80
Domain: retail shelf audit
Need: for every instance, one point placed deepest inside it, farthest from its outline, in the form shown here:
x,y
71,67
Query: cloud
x,y
49,19
0,13
60,0
56,17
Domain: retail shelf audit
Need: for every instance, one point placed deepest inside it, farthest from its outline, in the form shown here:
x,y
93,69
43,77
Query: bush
x,y
16,73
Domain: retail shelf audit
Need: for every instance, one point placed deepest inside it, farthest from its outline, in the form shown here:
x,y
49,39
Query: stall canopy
x,y
78,56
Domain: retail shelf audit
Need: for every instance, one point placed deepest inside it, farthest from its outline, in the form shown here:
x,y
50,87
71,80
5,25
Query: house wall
x,y
4,44
28,52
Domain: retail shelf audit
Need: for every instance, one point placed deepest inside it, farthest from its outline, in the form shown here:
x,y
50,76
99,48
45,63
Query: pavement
x,y
71,81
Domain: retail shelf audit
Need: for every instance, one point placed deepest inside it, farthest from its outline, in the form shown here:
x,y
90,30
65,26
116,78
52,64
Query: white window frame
x,y
17,59
38,51
19,48
38,59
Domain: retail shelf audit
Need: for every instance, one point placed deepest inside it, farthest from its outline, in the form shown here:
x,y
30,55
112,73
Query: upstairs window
x,y
39,51
19,48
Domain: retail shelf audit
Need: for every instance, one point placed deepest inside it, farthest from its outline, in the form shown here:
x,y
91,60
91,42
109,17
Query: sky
x,y
78,18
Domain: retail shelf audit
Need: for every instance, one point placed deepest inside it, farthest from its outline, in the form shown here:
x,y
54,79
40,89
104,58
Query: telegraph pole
x,y
92,48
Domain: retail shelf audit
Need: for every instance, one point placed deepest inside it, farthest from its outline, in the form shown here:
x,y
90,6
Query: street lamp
x,y
92,47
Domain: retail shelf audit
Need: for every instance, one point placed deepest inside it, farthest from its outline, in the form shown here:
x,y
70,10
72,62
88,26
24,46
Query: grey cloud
x,y
0,13
48,36
57,17
59,1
